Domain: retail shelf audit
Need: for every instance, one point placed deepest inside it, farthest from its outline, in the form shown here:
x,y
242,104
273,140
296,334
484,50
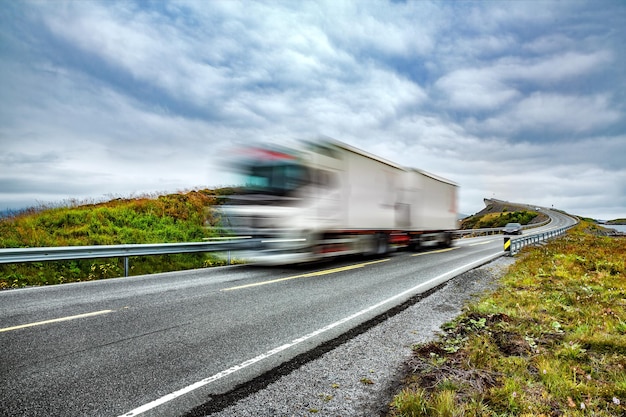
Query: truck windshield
x,y
276,179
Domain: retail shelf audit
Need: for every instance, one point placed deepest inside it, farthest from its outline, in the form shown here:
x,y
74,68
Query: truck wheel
x,y
382,244
415,245
447,240
314,247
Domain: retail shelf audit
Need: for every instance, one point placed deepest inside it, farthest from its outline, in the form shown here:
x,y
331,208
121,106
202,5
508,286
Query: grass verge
x,y
181,217
550,341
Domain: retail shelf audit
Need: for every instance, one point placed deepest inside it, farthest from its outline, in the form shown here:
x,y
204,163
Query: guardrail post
x,y
125,266
507,245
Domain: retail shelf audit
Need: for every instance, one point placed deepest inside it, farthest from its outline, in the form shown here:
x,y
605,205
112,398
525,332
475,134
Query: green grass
x,y
181,217
551,340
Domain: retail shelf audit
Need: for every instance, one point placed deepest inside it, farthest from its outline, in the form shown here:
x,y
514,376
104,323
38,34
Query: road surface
x,y
163,344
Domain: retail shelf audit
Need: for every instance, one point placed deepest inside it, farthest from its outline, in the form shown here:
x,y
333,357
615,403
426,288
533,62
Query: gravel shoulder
x,y
361,376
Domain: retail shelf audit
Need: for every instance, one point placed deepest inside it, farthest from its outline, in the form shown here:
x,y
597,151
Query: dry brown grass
x,y
551,341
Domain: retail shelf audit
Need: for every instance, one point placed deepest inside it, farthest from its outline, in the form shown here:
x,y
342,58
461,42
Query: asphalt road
x,y
165,343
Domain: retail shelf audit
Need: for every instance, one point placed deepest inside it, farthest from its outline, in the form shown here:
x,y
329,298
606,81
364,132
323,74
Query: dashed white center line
x,y
481,243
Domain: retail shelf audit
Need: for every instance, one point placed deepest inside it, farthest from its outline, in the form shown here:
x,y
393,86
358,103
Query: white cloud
x,y
125,97
475,89
545,113
550,44
404,30
494,86
552,68
139,44
494,18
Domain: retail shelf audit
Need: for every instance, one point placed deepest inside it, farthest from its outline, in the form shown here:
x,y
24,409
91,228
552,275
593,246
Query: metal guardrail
x,y
17,255
512,246
42,254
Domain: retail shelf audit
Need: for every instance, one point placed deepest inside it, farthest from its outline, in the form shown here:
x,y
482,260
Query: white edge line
x,y
425,286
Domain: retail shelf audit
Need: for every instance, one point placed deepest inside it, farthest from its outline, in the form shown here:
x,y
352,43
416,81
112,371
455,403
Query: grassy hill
x,y
181,217
498,214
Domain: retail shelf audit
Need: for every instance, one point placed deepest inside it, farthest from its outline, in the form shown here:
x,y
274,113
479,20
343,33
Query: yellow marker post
x,y
507,245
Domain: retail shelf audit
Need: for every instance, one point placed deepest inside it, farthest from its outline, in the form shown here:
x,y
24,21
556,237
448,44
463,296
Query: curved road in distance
x,y
163,344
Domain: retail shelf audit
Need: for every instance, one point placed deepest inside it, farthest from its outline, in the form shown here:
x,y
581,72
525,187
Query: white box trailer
x,y
432,202
329,199
370,189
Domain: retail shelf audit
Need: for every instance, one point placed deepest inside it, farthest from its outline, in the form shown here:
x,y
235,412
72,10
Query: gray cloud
x,y
111,98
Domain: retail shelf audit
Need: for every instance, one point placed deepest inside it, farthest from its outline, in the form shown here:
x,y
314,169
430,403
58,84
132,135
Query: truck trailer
x,y
326,198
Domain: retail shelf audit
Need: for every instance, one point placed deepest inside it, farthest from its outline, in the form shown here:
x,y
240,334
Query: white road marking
x,y
482,243
428,284
39,323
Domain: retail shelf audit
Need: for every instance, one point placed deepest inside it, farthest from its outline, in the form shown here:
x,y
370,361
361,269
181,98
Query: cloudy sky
x,y
521,101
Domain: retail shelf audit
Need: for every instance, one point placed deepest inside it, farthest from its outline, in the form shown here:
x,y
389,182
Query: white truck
x,y
327,199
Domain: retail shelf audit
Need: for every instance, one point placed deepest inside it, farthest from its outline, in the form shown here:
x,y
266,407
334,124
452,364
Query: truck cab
x,y
289,198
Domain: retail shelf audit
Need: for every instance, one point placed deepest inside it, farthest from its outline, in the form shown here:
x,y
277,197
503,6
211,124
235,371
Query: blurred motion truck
x,y
326,199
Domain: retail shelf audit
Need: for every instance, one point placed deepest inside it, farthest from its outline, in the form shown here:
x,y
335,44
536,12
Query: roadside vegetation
x,y
550,341
181,217
495,216
499,219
